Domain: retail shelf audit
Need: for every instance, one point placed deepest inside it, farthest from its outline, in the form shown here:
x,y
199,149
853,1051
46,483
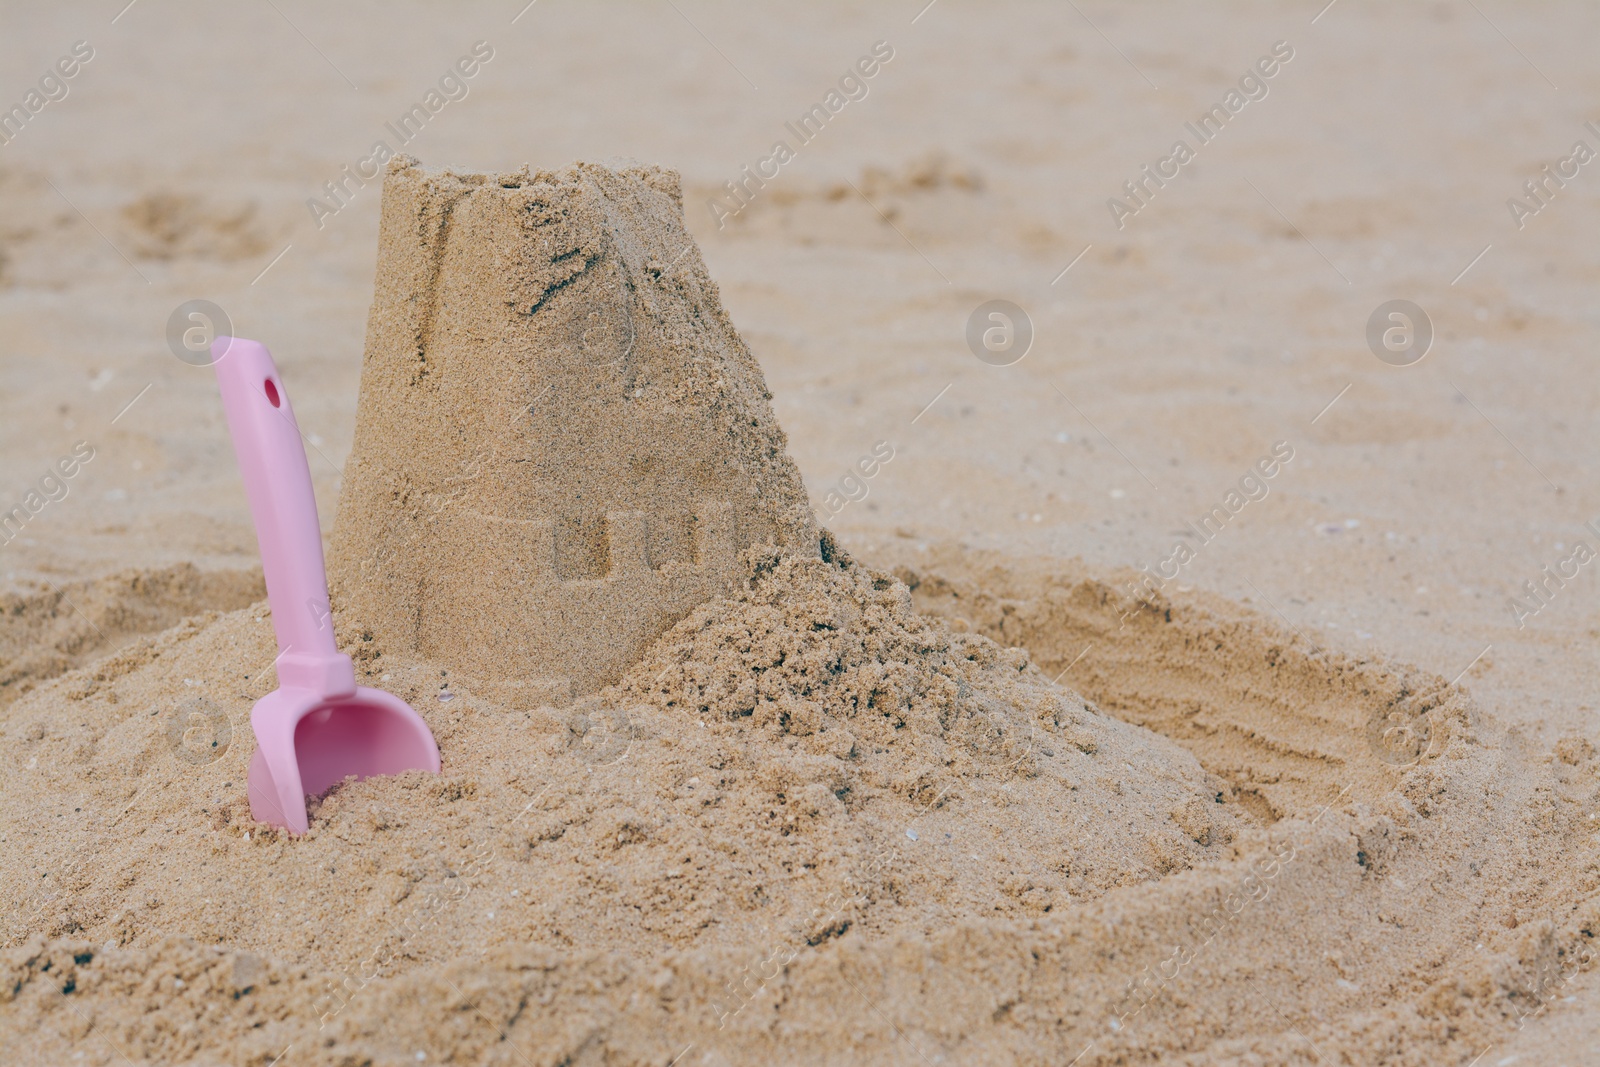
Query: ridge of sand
x,y
562,443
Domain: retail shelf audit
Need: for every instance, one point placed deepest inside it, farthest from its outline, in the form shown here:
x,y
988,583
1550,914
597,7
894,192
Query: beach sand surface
x,y
1323,791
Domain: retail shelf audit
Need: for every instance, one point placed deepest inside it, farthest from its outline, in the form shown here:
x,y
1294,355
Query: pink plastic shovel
x,y
318,726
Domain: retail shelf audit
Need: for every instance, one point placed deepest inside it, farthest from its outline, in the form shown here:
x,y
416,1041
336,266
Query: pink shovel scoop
x,y
318,726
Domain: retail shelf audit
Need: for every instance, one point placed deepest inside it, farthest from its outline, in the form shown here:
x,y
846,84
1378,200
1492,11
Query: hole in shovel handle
x,y
272,392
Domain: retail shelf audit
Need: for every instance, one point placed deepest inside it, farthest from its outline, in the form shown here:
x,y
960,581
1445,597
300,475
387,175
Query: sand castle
x,y
562,444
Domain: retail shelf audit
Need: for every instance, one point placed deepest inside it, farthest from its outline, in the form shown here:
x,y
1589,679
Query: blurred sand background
x,y
1224,317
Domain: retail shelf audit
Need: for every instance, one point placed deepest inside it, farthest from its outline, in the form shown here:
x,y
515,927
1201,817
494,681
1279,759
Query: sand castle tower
x,y
562,443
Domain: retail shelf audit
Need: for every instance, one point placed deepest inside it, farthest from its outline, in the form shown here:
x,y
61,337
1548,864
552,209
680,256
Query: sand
x,y
1341,805
557,419
794,778
801,794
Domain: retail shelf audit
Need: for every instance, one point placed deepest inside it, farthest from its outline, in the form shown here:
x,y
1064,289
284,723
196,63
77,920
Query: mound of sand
x,y
714,854
754,777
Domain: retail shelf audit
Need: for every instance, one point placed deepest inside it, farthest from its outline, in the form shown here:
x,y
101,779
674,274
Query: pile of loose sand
x,y
810,824
791,809
757,785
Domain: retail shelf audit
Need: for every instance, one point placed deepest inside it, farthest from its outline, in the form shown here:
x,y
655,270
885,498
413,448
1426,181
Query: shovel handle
x,y
277,482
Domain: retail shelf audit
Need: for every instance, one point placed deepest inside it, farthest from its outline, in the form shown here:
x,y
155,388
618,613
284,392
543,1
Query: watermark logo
x,y
198,732
1398,736
1008,724
601,736
191,328
1255,887
1399,333
999,333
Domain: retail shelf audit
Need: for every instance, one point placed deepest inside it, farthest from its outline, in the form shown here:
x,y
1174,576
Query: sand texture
x,y
803,782
1203,688
801,792
557,419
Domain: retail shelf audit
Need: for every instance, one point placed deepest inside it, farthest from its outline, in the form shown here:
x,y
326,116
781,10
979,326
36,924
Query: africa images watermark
x,y
1542,188
1253,487
424,911
999,333
824,918
1399,333
1154,177
453,86
852,486
1255,886
1553,578
52,87
53,487
852,86
599,737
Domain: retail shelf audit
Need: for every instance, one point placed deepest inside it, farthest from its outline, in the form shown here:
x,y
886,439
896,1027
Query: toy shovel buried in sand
x,y
318,726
